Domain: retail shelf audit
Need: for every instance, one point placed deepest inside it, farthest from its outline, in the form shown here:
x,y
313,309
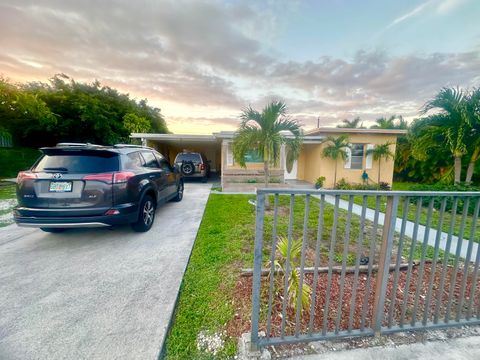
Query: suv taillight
x,y
24,175
109,178
122,177
202,166
103,177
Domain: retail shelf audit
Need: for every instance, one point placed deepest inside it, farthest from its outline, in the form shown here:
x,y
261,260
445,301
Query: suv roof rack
x,y
131,146
65,144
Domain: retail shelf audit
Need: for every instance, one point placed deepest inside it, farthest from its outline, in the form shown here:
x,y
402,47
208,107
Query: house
x,y
310,165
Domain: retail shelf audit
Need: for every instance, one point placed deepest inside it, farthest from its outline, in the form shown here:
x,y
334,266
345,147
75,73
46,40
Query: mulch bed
x,y
243,292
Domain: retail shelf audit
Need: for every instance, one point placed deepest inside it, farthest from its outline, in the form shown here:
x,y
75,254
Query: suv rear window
x,y
78,162
188,157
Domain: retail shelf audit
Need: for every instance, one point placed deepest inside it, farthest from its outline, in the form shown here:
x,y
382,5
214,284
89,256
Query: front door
x,y
290,167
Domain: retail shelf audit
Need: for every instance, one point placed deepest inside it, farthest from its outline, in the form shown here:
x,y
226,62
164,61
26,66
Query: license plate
x,y
60,186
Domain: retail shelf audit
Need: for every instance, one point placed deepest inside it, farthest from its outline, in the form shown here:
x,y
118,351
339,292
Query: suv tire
x,y
180,189
146,215
187,168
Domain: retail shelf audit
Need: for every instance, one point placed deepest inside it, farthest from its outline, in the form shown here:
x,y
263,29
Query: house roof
x,y
329,130
312,136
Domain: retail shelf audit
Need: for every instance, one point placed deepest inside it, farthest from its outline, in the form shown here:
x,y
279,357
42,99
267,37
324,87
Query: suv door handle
x,y
151,176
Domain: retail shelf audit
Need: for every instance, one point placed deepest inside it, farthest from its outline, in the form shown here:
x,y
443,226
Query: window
x,y
150,160
194,157
78,162
164,165
134,161
357,156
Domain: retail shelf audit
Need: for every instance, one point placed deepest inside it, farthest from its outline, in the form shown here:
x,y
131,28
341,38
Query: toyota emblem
x,y
57,176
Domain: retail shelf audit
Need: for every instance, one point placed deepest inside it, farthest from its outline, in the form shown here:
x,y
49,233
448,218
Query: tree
x,y
265,132
336,149
63,110
352,124
449,124
381,151
472,112
390,123
136,124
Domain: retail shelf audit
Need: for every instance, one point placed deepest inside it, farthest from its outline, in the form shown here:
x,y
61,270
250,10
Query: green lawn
x,y
412,215
7,202
224,245
13,160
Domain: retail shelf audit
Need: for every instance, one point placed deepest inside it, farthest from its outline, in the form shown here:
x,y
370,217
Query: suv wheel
x,y
180,189
53,230
146,215
187,168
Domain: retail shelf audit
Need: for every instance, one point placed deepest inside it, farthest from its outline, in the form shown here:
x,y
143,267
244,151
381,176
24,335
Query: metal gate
x,y
331,264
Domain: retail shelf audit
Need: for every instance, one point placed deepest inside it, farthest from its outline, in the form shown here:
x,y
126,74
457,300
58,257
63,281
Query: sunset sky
x,y
201,62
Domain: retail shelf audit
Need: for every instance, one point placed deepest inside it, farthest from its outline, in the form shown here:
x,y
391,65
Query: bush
x,y
319,182
382,185
449,201
342,184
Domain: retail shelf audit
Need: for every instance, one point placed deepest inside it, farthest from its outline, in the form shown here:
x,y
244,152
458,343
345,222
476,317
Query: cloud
x,y
203,61
414,12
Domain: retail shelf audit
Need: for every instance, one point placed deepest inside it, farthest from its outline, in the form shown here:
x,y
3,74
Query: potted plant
x,y
319,182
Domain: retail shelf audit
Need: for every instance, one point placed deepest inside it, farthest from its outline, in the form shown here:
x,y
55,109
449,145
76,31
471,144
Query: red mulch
x,y
243,292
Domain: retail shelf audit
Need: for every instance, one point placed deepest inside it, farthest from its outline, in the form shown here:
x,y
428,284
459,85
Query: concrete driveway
x,y
95,294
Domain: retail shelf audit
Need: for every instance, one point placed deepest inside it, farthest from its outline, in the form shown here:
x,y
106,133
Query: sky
x,y
202,62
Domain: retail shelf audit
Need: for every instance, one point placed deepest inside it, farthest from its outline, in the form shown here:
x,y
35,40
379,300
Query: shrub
x,y
319,182
382,185
294,274
343,184
449,201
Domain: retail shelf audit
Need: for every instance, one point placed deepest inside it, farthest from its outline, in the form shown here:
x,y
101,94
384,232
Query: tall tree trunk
x,y
458,169
267,178
379,166
471,165
335,175
265,169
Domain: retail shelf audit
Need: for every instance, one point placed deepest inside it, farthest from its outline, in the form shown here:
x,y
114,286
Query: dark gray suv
x,y
83,185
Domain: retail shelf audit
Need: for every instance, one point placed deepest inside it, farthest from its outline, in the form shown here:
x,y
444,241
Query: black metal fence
x,y
331,264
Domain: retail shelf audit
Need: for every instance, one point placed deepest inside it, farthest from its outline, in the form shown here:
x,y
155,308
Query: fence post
x,y
257,269
384,262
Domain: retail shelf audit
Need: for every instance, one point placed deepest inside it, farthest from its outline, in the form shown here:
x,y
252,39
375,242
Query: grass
x,y
7,202
13,160
223,246
423,217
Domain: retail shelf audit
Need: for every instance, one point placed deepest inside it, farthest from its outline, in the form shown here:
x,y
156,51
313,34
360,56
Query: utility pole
x,y
318,122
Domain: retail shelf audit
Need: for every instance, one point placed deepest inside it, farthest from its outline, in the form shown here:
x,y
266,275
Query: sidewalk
x,y
370,214
453,349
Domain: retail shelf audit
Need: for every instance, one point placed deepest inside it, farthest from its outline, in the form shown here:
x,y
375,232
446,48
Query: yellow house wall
x,y
312,164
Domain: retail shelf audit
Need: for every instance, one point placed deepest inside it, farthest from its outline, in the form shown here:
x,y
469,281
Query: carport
x,y
169,145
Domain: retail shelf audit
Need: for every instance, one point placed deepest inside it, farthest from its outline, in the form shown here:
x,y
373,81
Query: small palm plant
x,y
335,149
379,152
293,273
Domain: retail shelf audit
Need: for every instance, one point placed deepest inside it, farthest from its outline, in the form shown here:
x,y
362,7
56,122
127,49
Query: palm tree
x,y
265,132
351,124
384,123
336,149
379,152
472,111
451,123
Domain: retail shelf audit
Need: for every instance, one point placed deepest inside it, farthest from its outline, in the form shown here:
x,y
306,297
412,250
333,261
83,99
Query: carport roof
x,y
213,138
